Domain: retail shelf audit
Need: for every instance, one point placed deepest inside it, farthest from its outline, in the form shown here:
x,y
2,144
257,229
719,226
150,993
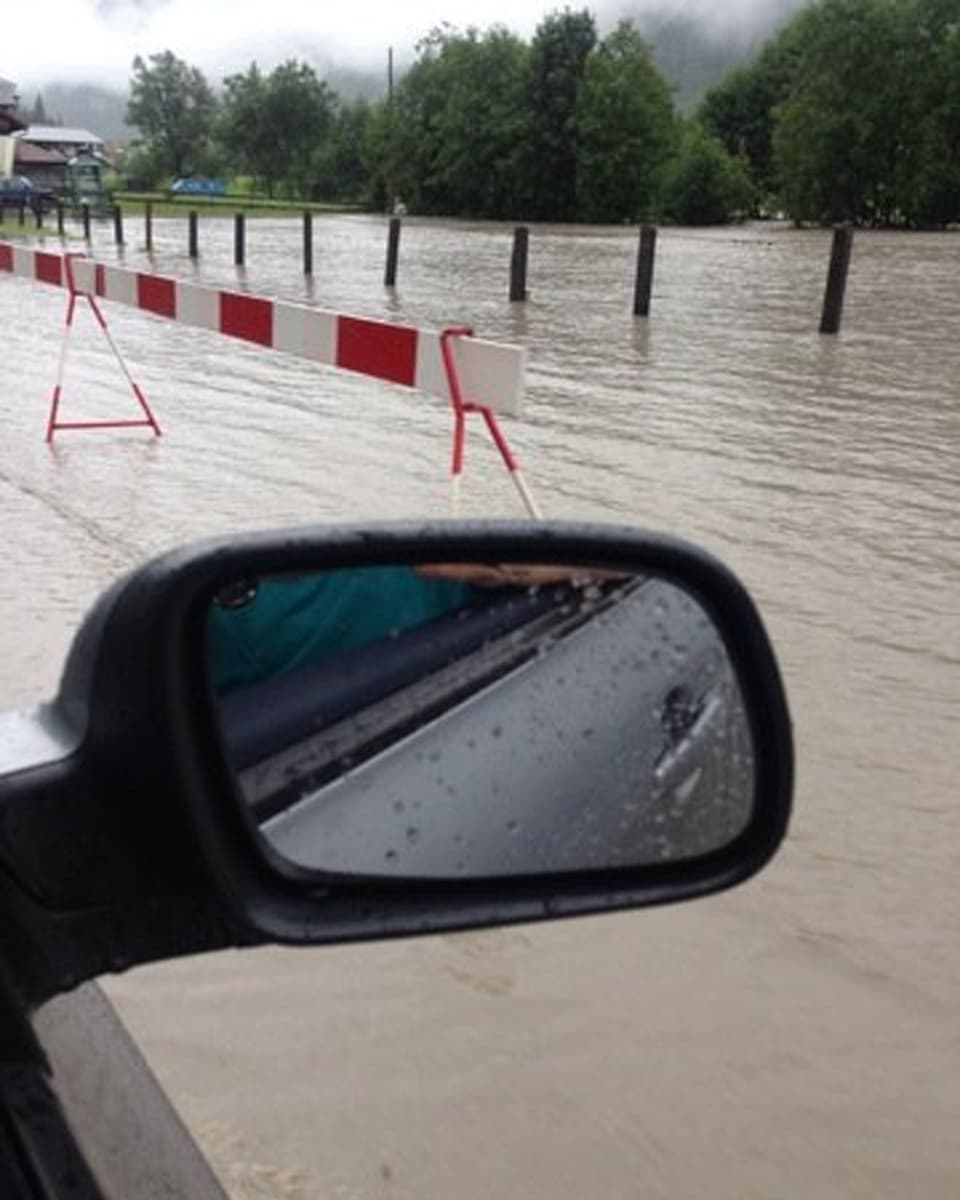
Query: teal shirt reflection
x,y
264,628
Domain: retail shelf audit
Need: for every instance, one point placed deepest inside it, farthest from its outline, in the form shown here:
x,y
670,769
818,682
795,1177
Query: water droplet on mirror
x,y
391,856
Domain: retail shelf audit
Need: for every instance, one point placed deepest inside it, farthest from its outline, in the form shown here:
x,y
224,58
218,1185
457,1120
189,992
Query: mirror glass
x,y
467,720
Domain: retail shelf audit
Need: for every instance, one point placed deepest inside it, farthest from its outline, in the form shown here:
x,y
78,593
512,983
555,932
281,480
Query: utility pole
x,y
388,182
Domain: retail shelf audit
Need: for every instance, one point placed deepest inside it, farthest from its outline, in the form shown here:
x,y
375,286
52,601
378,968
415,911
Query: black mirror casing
x,y
127,841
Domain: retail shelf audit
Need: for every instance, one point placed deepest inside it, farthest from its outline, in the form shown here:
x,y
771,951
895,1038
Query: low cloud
x,y
96,40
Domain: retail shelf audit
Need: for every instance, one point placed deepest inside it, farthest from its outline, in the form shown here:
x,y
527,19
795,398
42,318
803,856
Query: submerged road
x,y
796,1037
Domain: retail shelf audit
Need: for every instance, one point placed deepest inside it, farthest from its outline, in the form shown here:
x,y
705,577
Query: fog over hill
x,y
84,80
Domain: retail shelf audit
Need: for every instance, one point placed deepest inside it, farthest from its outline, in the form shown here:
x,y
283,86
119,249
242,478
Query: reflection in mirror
x,y
465,720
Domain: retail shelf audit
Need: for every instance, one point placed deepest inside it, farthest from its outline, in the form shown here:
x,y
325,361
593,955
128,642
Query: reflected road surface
x,y
797,1037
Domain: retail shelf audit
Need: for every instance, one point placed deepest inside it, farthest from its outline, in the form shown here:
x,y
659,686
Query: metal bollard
x,y
834,293
646,256
308,243
518,263
393,253
239,240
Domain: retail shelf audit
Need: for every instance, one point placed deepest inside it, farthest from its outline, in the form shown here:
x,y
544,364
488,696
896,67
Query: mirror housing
x,y
123,835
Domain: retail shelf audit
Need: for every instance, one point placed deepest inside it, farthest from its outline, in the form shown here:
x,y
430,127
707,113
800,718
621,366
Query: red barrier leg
x,y
147,420
509,460
61,367
459,413
460,410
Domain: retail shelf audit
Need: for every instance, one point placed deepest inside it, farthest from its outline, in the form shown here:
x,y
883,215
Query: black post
x,y
1,214
85,209
118,224
23,214
60,218
38,215
393,253
148,225
646,256
308,243
836,279
518,263
192,235
239,240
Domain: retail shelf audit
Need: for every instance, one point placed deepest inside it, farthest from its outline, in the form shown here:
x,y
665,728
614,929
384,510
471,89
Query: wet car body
x,y
18,191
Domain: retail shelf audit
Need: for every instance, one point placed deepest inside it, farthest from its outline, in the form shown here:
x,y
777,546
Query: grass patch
x,y
165,205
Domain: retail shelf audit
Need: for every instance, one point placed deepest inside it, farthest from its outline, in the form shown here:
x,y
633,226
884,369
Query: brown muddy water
x,y
798,1037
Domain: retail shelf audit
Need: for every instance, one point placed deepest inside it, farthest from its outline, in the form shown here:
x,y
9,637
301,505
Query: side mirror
x,y
354,733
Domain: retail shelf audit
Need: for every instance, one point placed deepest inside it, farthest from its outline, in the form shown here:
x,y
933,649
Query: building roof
x,y
60,135
8,92
26,154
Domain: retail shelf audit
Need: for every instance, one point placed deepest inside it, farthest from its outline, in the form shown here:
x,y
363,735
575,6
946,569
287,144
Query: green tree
x,y
740,110
142,169
704,184
934,189
451,140
557,64
856,133
275,126
624,129
240,129
852,112
173,107
341,164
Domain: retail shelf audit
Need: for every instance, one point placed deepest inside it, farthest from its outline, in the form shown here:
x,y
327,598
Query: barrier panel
x,y
471,374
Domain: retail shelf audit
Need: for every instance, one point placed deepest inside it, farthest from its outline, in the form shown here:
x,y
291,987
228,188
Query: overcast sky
x,y
95,40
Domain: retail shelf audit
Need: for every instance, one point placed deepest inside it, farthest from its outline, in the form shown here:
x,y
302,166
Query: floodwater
x,y
797,1037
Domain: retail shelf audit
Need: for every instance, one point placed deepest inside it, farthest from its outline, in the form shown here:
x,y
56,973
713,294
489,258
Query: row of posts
x,y
646,257
643,286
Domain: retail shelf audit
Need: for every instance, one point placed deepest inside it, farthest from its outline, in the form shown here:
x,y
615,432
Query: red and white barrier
x,y
471,374
490,373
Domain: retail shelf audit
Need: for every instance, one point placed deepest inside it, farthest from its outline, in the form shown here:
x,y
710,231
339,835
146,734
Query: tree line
x,y
567,126
851,112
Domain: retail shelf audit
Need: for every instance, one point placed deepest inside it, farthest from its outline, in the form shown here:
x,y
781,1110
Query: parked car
x,y
18,191
199,187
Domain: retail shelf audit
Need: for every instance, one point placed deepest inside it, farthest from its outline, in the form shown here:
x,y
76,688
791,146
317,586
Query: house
x,y
46,168
42,152
63,139
8,95
9,125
